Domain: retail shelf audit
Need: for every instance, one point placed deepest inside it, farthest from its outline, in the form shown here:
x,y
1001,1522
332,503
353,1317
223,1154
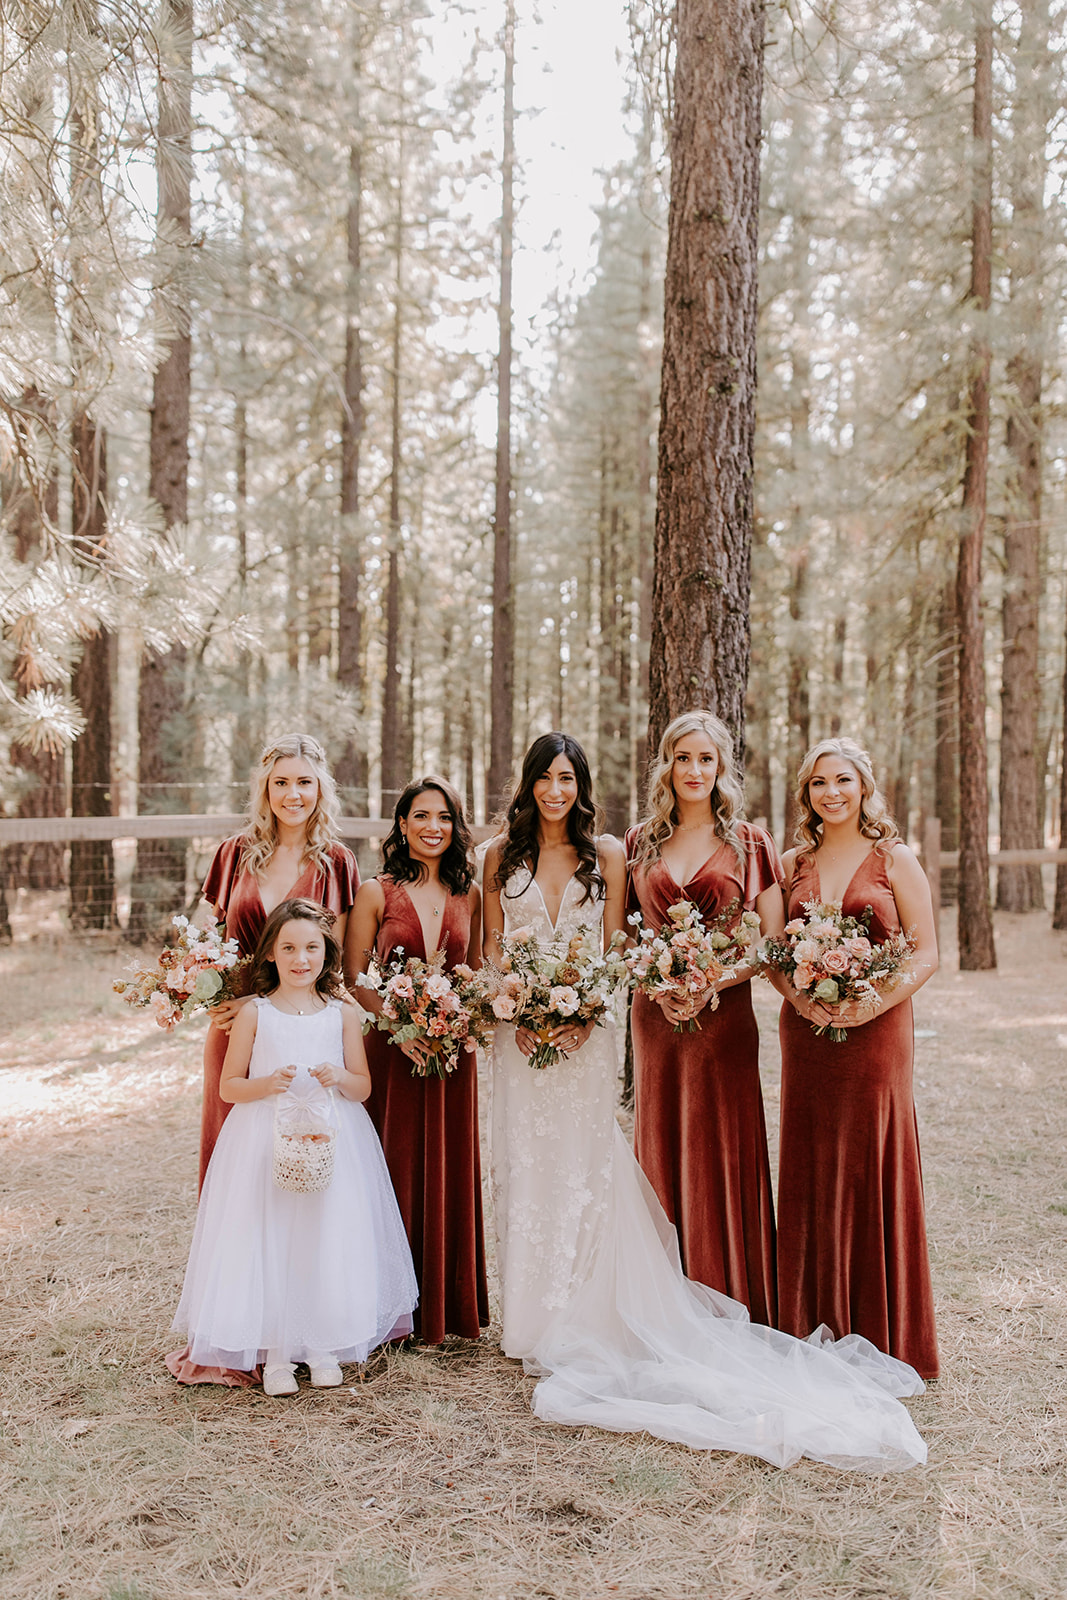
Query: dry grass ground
x,y
431,1479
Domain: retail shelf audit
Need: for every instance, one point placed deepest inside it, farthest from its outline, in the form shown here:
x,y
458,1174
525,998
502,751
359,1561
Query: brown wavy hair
x,y
727,797
329,983
521,847
261,834
876,820
457,873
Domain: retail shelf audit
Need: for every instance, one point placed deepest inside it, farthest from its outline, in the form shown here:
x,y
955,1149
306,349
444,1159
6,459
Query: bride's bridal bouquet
x,y
544,985
197,971
831,957
420,1000
686,957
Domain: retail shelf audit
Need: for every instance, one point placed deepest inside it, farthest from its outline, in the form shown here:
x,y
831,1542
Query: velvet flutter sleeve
x,y
223,872
763,864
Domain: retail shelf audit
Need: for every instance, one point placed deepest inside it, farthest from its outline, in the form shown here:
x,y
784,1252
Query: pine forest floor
x,y
430,1478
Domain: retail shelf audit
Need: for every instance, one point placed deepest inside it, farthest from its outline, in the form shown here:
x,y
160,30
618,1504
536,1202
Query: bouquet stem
x,y
835,1035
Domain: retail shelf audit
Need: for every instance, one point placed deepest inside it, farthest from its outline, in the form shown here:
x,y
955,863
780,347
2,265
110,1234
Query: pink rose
x,y
835,961
796,926
503,1007
804,976
858,947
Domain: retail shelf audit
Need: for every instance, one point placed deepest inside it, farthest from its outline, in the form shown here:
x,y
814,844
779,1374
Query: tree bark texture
x,y
92,867
393,776
1059,909
977,951
1021,764
700,625
947,736
29,493
351,767
163,732
502,678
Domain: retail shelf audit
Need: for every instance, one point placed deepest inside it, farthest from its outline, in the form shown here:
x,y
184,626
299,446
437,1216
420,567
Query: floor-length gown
x,y
235,891
852,1250
429,1132
699,1129
295,1276
593,1295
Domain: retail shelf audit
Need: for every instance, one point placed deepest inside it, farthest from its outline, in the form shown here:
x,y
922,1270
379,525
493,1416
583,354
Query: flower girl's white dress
x,y
594,1299
298,1275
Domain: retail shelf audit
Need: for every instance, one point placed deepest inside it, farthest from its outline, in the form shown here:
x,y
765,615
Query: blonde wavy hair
x,y
261,835
727,797
876,821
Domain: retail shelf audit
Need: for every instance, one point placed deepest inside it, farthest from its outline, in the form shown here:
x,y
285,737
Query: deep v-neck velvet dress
x,y
699,1128
852,1249
429,1132
236,894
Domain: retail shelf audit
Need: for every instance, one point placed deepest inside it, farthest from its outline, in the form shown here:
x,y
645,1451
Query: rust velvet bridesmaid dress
x,y
428,1128
699,1129
234,892
852,1249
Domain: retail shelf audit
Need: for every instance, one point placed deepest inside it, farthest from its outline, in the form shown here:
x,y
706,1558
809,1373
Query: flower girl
x,y
292,1261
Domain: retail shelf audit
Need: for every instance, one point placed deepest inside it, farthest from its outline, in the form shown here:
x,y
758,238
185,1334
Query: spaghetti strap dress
x,y
235,892
429,1133
852,1251
699,1128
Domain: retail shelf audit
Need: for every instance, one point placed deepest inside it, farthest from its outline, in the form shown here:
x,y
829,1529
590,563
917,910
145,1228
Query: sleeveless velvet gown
x,y
699,1129
429,1132
852,1249
236,894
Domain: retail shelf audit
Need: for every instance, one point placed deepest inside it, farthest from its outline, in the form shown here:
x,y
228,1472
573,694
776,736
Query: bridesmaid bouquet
x,y
197,971
544,985
422,1001
686,957
830,957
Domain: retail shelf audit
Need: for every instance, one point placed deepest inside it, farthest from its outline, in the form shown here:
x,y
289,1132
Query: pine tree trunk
x,y
163,735
977,950
92,865
946,738
502,682
1059,909
700,626
28,509
1021,771
351,769
392,751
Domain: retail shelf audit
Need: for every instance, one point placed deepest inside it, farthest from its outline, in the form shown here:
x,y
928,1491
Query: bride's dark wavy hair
x,y
522,846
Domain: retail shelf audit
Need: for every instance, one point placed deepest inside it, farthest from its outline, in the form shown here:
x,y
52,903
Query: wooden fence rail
x,y
177,825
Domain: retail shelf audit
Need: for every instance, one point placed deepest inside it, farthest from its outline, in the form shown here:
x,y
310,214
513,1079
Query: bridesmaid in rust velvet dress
x,y
425,899
289,849
699,1129
852,1247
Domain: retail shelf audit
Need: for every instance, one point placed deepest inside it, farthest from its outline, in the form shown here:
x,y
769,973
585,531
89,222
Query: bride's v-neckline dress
x,y
593,1298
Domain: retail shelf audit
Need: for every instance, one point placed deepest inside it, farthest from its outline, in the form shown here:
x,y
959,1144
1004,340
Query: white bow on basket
x,y
305,1132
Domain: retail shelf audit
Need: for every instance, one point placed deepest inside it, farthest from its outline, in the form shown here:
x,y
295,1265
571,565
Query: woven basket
x,y
303,1155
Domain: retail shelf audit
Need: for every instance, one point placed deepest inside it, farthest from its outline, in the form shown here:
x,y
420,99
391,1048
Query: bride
x,y
592,1292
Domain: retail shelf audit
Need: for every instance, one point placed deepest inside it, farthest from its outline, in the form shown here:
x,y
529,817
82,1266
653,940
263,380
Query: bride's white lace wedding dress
x,y
593,1297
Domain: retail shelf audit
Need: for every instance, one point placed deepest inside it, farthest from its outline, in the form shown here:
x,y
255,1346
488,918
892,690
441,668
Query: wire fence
x,y
103,877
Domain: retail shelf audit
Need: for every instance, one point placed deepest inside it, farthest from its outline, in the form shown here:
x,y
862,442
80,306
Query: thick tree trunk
x,y
1021,770
163,735
92,866
700,624
502,681
977,950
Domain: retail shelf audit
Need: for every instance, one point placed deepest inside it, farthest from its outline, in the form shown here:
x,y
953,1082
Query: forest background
x,y
263,435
